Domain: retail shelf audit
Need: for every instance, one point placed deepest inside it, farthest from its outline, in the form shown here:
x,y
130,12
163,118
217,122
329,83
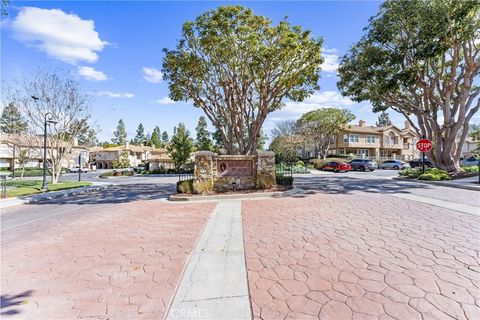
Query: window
x,y
354,138
345,138
370,139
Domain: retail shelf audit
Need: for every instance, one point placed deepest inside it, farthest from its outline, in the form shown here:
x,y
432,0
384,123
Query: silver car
x,y
394,164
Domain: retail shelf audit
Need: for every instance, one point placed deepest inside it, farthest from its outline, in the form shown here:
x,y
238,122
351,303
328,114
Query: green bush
x,y
185,186
319,163
300,163
410,172
470,169
435,174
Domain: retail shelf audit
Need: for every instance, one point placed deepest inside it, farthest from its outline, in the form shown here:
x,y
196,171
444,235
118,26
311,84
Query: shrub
x,y
470,169
300,163
318,163
410,172
202,186
185,186
265,181
434,174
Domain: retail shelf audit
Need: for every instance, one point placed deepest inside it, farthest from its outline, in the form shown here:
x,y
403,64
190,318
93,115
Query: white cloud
x,y
317,100
331,60
63,36
110,94
90,73
152,75
165,101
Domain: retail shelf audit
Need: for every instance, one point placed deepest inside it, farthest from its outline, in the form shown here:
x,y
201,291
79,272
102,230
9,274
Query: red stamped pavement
x,y
360,256
119,261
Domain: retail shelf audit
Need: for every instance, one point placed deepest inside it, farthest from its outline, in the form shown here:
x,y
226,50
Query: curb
x,y
244,196
440,183
51,195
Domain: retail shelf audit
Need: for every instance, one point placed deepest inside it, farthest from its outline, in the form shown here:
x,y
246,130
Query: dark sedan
x,y
336,166
418,163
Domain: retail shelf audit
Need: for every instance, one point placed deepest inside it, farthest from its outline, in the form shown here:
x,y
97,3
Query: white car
x,y
472,161
394,164
77,169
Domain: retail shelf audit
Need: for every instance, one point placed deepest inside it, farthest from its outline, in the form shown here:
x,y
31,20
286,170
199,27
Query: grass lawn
x,y
28,187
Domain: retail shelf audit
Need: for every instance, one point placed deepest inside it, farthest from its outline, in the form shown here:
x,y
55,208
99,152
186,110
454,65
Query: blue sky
x,y
115,50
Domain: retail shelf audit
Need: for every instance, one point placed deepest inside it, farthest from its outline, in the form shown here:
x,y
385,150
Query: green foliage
x,y
140,135
383,119
265,181
431,174
224,61
12,120
203,141
284,180
319,163
185,186
470,169
322,126
155,139
181,146
165,138
435,175
122,160
120,134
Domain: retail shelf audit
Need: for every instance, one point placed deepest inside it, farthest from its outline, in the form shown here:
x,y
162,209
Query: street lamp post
x,y
45,122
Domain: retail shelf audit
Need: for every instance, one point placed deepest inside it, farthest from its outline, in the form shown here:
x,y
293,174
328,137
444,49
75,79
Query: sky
x,y
114,49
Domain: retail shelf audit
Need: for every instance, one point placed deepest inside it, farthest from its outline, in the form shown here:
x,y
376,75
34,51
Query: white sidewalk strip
x,y
465,208
214,285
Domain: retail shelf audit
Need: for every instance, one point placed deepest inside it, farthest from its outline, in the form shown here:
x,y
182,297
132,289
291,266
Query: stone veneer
x,y
208,179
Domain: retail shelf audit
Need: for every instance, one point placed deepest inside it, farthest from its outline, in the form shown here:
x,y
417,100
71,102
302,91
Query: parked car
x,y
77,169
472,161
394,164
336,166
363,164
419,162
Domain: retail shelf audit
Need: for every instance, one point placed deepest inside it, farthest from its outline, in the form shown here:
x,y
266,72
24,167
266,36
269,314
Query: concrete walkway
x,y
461,207
214,284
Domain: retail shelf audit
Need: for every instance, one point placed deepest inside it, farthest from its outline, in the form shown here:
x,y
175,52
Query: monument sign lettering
x,y
235,168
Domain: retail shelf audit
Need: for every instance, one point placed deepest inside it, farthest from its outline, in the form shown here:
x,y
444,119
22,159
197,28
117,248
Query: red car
x,y
336,166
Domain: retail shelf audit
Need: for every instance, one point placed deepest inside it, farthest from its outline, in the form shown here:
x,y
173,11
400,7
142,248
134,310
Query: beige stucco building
x,y
12,144
376,142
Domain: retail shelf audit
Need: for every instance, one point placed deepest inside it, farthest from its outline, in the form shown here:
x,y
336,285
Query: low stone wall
x,y
222,173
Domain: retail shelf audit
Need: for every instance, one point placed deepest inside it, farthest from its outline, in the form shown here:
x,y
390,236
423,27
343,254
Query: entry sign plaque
x,y
235,168
424,145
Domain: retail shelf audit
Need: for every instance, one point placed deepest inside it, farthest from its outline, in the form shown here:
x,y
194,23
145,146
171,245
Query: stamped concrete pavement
x,y
116,261
361,255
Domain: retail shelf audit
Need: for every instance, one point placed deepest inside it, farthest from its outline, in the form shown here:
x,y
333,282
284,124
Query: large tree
x,y
322,126
120,134
12,120
383,119
238,67
181,146
203,141
55,97
155,139
140,135
421,58
286,139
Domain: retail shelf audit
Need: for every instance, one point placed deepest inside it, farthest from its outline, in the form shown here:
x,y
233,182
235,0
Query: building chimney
x,y
361,123
127,145
407,125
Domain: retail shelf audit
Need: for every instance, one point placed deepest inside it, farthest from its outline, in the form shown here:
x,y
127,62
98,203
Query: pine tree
x,y
203,141
120,134
155,140
383,119
140,136
12,120
181,146
165,137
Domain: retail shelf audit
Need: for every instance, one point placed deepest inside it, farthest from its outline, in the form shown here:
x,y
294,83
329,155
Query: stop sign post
x,y
424,145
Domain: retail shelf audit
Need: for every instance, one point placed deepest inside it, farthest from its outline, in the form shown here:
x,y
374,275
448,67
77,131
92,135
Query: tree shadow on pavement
x,y
8,303
347,185
117,194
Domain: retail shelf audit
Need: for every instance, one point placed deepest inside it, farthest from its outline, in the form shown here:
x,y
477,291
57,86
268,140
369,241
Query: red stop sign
x,y
424,145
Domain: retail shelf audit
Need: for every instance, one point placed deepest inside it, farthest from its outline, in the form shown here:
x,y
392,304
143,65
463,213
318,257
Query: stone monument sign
x,y
222,173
